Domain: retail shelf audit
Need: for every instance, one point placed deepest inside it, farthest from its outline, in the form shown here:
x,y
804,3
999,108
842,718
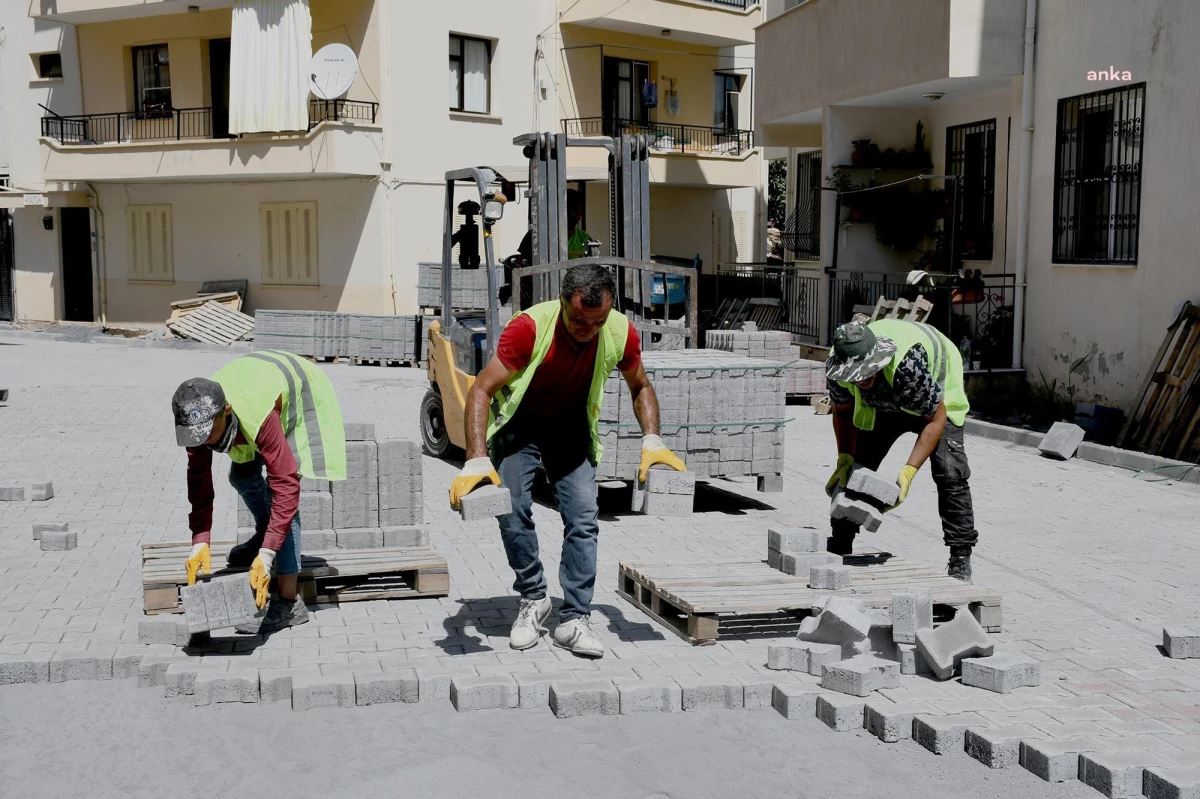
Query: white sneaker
x,y
578,636
528,628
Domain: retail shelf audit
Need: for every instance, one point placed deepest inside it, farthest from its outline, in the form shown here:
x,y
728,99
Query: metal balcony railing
x,y
179,123
739,4
666,136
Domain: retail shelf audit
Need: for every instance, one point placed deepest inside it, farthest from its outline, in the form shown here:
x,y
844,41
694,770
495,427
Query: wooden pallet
x,y
700,600
327,577
409,362
1164,420
213,323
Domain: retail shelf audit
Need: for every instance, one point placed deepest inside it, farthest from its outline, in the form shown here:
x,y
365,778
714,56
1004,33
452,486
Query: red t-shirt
x,y
560,384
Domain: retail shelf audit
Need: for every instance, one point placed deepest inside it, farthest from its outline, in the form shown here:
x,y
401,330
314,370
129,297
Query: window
x,y
288,233
622,82
1098,176
148,233
727,100
729,237
971,155
47,65
802,231
152,81
470,75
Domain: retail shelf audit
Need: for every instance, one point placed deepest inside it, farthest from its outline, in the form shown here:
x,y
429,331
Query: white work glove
x,y
654,451
260,575
474,472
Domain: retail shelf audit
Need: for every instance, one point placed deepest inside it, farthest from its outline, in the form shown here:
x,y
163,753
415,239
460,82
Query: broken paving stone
x,y
1062,441
945,647
1002,672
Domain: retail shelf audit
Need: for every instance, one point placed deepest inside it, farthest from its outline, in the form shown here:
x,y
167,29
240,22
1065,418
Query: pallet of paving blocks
x,y
364,338
721,412
699,601
468,290
802,378
340,575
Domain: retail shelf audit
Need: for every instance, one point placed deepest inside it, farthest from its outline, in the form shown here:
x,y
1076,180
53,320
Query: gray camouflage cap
x,y
195,405
858,353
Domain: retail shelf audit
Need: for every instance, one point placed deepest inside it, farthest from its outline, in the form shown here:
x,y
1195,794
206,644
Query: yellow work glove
x,y
841,474
905,482
260,575
474,472
199,559
654,451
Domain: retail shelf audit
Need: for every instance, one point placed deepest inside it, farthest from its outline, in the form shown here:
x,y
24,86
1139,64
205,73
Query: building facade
x,y
128,190
1083,250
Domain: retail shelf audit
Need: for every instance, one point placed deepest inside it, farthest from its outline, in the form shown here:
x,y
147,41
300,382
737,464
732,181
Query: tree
x,y
777,191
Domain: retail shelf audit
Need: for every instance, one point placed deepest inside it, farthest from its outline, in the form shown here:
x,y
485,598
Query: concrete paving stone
x,y
945,647
795,701
584,698
1181,642
712,692
1001,673
219,687
434,681
658,695
1171,783
840,621
911,611
944,734
795,539
152,670
858,511
48,527
822,655
90,664
320,690
997,747
41,491
892,721
1117,774
317,540
840,712
10,493
163,629
861,675
534,689
830,578
23,668
800,564
405,535
1062,441
180,678
483,693
758,689
668,481
788,657
485,503
871,486
359,538
911,661
359,431
667,505
275,684
375,688
1057,760
59,542
127,660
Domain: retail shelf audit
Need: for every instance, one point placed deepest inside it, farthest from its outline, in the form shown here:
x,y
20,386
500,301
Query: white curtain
x,y
475,82
269,58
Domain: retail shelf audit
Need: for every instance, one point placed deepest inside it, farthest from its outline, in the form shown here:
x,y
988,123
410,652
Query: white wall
x,y
1108,321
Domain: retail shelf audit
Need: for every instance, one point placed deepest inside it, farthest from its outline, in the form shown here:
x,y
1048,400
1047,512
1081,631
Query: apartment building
x,y
1075,208
146,153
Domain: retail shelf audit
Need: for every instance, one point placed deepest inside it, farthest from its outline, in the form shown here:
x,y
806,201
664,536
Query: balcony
x,y
174,143
666,137
78,12
713,23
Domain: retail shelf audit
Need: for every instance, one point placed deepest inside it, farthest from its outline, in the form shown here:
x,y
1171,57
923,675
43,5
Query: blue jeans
x,y
247,479
574,479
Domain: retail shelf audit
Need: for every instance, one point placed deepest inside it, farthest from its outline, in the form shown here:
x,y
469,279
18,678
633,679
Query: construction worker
x,y
539,399
892,377
576,248
268,411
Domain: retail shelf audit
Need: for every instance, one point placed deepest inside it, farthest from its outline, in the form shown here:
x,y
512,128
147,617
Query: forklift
x,y
461,343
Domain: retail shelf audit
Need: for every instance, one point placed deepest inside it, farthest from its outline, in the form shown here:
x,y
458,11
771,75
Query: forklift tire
x,y
435,438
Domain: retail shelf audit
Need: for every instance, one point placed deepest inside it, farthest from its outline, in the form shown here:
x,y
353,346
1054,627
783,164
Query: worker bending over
x,y
268,411
539,399
893,377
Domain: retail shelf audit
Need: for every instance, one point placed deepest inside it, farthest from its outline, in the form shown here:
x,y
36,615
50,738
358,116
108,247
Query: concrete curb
x,y
102,338
1096,453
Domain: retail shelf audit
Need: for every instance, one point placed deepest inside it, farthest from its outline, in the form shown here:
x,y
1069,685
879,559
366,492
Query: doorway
x,y
218,75
621,90
6,266
76,264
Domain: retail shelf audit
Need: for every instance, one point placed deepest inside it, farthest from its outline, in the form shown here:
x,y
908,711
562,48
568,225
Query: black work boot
x,y
243,554
959,566
840,544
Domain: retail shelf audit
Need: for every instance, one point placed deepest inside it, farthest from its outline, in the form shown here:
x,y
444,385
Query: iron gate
x,y
6,266
802,231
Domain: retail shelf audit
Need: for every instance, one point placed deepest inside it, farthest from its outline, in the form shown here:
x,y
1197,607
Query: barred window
x,y
971,155
1098,176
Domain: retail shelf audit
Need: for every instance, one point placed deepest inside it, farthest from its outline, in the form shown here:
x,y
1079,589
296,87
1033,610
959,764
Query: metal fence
x,y
178,123
978,308
798,288
664,136
742,4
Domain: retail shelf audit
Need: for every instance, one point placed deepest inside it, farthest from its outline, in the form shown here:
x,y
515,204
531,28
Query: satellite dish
x,y
332,71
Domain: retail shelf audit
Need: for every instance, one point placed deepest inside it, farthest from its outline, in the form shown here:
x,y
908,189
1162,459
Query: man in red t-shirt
x,y
545,373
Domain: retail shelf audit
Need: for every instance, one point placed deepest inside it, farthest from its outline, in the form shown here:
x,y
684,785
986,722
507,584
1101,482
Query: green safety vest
x,y
945,364
312,420
577,245
545,317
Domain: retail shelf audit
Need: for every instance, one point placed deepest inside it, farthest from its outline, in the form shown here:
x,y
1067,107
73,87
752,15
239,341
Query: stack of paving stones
x,y
722,413
801,377
864,499
468,290
797,551
218,603
327,334
380,504
38,492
